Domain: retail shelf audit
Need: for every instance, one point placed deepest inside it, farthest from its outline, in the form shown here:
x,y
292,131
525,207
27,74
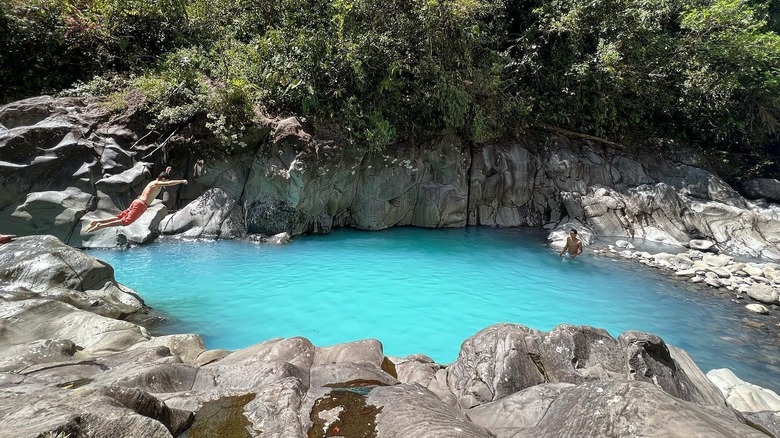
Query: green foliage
x,y
605,68
698,70
732,73
703,71
46,45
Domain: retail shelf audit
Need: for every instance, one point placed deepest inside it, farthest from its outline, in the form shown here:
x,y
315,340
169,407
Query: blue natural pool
x,y
425,291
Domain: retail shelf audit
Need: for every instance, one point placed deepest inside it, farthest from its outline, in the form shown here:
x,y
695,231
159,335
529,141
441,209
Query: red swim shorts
x,y
133,212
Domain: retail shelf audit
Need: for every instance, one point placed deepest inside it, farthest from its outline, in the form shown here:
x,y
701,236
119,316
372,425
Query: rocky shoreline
x,y
758,282
72,361
699,262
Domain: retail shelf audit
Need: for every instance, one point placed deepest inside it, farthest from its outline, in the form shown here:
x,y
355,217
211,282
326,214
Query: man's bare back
x,y
137,207
151,191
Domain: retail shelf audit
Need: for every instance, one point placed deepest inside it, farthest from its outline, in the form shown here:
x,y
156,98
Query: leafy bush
x,y
47,45
702,71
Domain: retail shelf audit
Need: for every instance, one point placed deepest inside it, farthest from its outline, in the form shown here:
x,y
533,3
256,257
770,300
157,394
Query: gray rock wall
x,y
63,163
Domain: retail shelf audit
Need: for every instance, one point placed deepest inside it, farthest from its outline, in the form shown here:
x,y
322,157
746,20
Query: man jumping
x,y
139,205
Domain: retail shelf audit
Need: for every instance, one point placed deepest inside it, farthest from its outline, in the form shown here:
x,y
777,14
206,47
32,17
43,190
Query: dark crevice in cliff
x,y
469,200
241,201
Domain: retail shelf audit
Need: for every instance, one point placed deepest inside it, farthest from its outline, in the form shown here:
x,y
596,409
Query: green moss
x,y
223,417
356,419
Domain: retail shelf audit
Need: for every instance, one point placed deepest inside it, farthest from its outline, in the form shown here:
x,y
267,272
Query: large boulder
x,y
627,409
492,364
213,215
744,396
44,267
762,188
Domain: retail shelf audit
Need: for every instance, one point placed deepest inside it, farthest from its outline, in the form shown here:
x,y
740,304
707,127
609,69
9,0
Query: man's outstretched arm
x,y
174,182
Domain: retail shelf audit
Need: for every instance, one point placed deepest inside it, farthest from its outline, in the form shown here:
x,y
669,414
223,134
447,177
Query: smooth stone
x,y
701,244
279,239
685,273
764,293
717,260
713,282
744,396
721,272
682,261
624,244
368,350
758,308
753,270
771,274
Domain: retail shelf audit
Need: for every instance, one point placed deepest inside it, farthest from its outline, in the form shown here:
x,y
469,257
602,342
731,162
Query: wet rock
x,y
223,416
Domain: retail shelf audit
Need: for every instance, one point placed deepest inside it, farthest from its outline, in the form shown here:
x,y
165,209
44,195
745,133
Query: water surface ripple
x,y
425,291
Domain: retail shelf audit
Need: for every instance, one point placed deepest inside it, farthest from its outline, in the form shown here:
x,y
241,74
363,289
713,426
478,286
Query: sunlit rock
x,y
744,396
213,215
764,293
701,244
757,308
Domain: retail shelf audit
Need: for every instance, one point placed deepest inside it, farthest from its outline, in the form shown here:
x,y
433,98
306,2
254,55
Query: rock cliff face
x,y
64,162
72,368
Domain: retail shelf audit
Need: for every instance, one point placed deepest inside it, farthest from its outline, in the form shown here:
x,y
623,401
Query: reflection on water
x,y
425,291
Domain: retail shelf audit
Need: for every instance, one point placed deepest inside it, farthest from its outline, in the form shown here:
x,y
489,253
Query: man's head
x,y
163,176
573,232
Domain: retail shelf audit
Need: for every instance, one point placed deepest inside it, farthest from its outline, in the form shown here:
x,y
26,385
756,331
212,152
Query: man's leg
x,y
6,238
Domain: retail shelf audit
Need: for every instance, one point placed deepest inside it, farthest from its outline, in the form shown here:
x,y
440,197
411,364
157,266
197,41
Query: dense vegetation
x,y
706,72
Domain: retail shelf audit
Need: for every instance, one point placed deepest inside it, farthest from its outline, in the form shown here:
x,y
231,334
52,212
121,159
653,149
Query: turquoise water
x,y
425,291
